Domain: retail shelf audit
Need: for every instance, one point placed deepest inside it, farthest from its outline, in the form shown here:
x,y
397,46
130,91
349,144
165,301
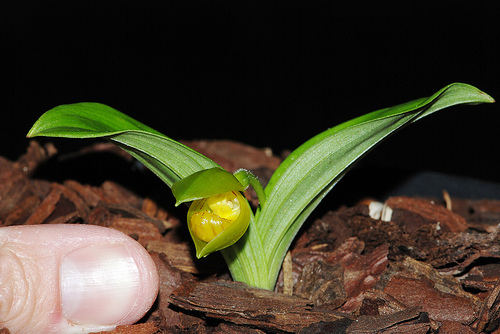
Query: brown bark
x,y
428,269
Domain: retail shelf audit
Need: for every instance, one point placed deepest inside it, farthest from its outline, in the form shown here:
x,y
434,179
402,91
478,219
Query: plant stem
x,y
246,178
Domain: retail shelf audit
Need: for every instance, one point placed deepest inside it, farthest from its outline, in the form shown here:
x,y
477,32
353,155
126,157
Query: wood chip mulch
x,y
414,265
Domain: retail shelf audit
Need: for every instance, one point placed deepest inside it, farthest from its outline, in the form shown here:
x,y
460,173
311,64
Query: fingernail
x,y
99,284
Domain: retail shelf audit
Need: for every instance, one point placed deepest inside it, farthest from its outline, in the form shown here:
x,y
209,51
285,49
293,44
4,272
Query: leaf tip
x,y
489,98
480,96
31,133
486,98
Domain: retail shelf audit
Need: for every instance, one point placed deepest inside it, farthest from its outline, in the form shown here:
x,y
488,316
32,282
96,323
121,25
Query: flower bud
x,y
218,221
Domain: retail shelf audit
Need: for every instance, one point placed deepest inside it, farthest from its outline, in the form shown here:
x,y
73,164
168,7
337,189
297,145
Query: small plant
x,y
253,244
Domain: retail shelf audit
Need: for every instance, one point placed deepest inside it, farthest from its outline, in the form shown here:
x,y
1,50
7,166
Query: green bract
x,y
295,189
205,183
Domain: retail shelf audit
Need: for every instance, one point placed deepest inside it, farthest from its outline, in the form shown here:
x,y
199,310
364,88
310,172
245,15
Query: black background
x,y
268,73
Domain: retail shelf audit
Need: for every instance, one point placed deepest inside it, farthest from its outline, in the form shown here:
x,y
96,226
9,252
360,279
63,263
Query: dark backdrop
x,y
267,73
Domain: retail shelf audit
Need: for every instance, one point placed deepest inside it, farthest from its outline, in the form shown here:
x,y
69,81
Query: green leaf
x,y
85,120
167,158
311,171
204,184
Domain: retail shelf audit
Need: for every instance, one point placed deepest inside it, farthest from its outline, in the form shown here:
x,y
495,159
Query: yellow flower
x,y
218,221
214,214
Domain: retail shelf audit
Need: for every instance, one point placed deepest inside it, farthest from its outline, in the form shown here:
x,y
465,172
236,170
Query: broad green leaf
x,y
204,184
311,171
85,120
167,158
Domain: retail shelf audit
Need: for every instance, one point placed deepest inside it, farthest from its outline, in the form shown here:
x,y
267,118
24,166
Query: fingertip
x,y
90,278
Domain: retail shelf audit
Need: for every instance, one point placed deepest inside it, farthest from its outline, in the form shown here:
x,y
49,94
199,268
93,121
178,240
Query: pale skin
x,y
72,279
